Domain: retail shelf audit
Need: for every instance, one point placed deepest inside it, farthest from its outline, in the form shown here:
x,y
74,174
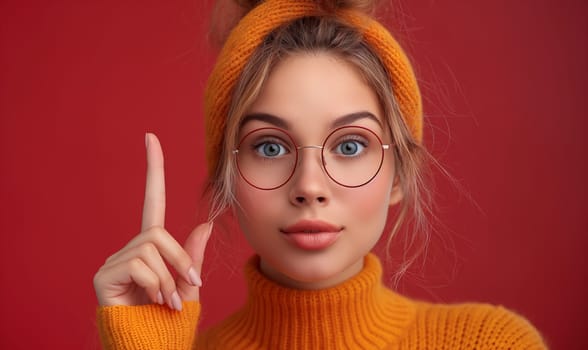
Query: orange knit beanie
x,y
261,21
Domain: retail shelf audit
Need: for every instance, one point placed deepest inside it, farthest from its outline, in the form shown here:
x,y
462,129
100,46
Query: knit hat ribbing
x,y
261,21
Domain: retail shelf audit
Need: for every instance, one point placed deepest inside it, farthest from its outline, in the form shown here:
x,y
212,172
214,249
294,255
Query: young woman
x,y
314,126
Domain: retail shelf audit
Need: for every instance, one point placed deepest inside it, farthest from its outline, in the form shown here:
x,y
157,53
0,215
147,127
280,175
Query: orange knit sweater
x,y
361,313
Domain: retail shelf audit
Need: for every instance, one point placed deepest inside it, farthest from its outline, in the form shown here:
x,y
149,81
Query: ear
x,y
396,193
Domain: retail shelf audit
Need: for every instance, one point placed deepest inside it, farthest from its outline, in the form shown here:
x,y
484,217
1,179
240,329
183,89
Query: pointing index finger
x,y
154,204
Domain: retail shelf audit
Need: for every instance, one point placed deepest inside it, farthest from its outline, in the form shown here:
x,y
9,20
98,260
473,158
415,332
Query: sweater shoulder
x,y
475,326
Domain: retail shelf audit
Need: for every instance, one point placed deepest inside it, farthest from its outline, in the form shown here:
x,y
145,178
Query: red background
x,y
80,83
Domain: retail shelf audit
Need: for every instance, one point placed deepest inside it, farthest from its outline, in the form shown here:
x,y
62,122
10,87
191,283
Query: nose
x,y
310,182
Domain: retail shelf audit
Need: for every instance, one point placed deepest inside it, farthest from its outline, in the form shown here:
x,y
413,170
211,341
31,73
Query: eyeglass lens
x,y
351,156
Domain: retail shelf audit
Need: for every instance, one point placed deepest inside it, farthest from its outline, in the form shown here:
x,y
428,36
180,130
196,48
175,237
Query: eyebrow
x,y
352,117
267,118
281,123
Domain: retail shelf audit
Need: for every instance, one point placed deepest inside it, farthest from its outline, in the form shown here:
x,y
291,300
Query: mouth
x,y
311,234
311,226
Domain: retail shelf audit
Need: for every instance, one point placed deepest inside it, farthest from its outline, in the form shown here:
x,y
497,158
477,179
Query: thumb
x,y
195,245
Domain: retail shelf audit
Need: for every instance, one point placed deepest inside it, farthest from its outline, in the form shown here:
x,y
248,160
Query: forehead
x,y
315,89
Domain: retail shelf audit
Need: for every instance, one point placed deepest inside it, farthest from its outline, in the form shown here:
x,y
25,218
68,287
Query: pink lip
x,y
310,226
312,235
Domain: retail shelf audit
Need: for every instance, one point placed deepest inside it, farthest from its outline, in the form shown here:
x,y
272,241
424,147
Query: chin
x,y
312,270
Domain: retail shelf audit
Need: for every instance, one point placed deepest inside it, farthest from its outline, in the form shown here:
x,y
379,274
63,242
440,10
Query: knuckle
x,y
97,280
110,258
156,233
99,275
135,264
167,282
101,278
148,249
152,282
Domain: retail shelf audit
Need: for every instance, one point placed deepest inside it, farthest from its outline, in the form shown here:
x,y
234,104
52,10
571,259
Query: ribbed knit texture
x,y
147,326
270,14
358,314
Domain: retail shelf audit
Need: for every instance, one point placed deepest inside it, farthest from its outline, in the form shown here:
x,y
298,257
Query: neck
x,y
358,313
288,282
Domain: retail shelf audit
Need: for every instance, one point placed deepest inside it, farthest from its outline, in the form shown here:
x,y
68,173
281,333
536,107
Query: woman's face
x,y
312,232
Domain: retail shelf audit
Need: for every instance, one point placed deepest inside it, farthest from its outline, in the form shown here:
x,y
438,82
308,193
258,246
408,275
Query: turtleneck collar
x,y
358,313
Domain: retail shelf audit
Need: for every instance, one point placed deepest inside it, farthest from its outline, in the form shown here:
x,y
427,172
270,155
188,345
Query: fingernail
x,y
176,301
159,298
194,278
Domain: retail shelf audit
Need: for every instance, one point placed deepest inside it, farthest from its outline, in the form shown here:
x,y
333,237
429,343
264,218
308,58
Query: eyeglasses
x,y
351,156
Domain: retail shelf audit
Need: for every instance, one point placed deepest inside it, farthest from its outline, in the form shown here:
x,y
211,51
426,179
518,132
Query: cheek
x,y
370,203
253,206
376,194
245,209
372,200
258,214
245,201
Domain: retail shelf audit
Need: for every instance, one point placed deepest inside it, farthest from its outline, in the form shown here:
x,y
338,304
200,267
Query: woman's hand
x,y
137,274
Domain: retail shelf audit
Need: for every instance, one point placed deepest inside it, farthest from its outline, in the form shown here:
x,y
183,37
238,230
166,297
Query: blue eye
x,y
350,148
270,149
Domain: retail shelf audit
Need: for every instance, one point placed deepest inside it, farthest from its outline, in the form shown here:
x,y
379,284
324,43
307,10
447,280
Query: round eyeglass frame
x,y
321,147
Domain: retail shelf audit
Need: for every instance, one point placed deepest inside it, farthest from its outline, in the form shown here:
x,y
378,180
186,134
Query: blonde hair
x,y
326,34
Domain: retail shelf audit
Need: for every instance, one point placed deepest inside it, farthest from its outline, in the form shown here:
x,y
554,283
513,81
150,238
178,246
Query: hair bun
x,y
227,13
366,6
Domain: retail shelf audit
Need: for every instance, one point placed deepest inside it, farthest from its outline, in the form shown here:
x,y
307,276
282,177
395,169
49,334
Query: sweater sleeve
x,y
512,331
147,326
